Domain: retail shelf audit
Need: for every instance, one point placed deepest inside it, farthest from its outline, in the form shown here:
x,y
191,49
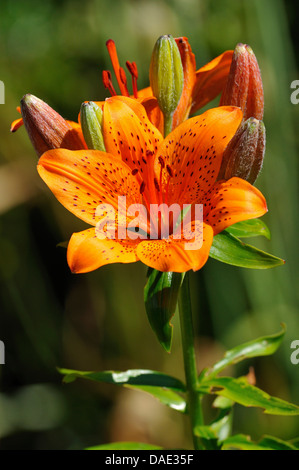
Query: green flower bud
x,y
91,117
166,74
244,155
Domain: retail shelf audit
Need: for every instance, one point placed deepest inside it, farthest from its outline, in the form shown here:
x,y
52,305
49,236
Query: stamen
x,y
110,44
161,161
123,78
132,67
156,184
142,187
169,171
107,81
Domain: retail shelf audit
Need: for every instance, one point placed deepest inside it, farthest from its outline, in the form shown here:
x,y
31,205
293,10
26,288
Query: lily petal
x,y
189,67
16,124
78,131
173,255
83,179
128,132
210,80
86,252
232,201
194,153
153,112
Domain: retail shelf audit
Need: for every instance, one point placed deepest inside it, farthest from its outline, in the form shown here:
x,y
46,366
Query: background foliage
x,y
48,317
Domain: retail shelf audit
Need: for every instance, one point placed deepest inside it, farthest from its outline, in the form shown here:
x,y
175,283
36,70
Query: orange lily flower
x,y
147,169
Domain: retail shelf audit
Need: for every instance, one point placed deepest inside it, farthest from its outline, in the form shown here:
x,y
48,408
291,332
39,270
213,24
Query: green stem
x,y
187,333
167,124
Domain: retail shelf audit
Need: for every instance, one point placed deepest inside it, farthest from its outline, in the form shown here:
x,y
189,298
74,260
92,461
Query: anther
x,y
123,78
107,81
110,44
169,171
161,161
142,187
132,67
156,184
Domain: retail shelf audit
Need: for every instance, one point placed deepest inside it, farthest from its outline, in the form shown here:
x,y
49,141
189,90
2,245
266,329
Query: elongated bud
x,y
91,117
166,74
243,157
46,128
244,87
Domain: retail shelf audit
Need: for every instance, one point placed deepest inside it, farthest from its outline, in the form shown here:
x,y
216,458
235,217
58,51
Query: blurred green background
x,y
49,317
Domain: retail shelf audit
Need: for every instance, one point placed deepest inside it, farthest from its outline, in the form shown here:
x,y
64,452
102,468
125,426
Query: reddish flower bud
x,y
244,87
243,157
46,128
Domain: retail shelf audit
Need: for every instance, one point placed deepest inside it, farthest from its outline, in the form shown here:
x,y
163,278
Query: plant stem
x,y
187,333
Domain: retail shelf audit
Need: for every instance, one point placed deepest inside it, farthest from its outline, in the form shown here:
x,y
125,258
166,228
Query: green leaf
x,y
160,297
216,430
229,249
165,395
249,228
125,446
263,346
129,377
240,391
161,386
242,442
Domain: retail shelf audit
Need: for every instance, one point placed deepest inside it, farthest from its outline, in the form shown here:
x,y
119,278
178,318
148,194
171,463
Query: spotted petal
x,y
128,132
232,201
194,151
86,252
83,179
175,254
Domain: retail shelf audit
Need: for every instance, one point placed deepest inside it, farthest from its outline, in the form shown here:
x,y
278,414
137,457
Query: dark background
x,y
49,317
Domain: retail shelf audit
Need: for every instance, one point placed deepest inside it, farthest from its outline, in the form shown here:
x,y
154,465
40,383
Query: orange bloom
x,y
147,169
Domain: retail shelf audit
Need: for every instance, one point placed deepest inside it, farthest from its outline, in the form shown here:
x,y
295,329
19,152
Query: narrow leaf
x,y
240,391
229,249
160,296
242,442
129,377
264,346
249,228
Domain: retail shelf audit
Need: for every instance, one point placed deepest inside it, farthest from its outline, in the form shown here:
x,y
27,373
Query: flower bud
x,y
166,74
243,157
91,117
244,87
46,128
